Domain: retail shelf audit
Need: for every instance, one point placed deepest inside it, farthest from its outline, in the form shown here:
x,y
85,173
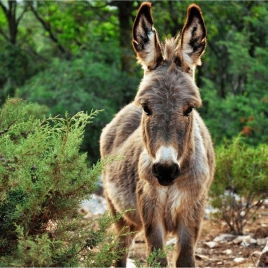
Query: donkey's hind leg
x,y
124,234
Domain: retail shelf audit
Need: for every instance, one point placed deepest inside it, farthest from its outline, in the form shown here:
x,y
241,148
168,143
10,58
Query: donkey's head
x,y
167,93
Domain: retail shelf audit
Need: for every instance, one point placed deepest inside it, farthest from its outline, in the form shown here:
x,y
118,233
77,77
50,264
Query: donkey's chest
x,y
172,204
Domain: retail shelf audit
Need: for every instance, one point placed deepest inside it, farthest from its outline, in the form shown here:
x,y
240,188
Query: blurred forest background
x,y
77,56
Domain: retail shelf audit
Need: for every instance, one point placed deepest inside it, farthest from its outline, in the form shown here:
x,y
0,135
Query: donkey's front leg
x,y
186,247
188,232
154,234
153,226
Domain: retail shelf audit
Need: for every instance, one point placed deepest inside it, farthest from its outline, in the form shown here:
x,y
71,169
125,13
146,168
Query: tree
x,y
10,11
126,18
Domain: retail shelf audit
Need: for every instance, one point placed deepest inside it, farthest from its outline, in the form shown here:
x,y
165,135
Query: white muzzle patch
x,y
166,154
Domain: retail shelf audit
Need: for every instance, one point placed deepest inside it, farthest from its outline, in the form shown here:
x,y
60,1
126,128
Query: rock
x,y
200,251
241,238
201,257
211,244
245,240
239,260
262,241
253,241
228,251
96,205
130,263
224,237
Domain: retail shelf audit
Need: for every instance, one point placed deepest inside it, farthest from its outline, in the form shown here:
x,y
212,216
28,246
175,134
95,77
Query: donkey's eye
x,y
146,110
188,111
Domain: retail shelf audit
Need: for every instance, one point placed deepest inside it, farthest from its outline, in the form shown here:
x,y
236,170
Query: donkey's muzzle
x,y
166,174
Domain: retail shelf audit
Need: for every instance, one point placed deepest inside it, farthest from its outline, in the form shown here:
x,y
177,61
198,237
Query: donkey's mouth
x,y
165,182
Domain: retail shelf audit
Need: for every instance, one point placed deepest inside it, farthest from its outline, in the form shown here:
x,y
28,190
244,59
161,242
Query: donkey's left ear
x,y
193,38
145,39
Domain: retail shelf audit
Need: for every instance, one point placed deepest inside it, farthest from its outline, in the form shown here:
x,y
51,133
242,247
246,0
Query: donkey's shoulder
x,y
203,130
203,143
125,122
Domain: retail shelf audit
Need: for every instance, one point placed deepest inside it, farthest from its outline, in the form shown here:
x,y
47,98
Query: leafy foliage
x,y
43,178
153,260
240,183
86,49
236,114
233,76
81,85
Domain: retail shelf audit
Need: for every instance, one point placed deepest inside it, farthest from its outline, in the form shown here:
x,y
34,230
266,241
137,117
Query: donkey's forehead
x,y
164,83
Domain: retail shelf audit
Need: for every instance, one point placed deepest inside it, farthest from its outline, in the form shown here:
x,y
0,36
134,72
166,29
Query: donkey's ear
x,y
145,39
193,38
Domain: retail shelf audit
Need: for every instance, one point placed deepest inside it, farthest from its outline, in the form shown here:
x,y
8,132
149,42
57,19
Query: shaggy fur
x,y
168,158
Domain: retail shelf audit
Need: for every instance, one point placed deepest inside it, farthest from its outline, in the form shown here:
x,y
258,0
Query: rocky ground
x,y
216,247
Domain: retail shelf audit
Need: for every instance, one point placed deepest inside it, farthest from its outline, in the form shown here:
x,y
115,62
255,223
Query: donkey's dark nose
x,y
166,173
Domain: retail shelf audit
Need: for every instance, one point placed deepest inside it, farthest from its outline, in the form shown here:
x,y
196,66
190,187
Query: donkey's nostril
x,y
168,172
176,171
155,170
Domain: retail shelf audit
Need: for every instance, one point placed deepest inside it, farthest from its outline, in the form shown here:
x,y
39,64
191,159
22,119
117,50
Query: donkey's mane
x,y
176,85
170,48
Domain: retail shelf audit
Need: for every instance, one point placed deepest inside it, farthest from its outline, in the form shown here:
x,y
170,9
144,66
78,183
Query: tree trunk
x,y
125,17
12,23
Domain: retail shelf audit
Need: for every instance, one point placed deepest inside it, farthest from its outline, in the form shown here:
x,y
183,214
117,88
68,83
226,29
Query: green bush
x,y
240,183
43,178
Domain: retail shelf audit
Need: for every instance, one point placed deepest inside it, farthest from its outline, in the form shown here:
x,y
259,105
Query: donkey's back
x,y
119,130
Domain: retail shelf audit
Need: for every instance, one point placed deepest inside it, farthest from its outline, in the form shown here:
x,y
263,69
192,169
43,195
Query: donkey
x,y
168,158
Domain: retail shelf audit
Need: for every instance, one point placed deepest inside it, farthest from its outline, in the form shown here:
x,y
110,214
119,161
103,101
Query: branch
x,y
43,22
22,14
47,27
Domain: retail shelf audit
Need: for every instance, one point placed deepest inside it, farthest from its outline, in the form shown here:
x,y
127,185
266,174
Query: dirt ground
x,y
228,252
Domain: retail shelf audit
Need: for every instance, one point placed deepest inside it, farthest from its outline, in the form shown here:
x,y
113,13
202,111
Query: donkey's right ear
x,y
193,38
145,39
